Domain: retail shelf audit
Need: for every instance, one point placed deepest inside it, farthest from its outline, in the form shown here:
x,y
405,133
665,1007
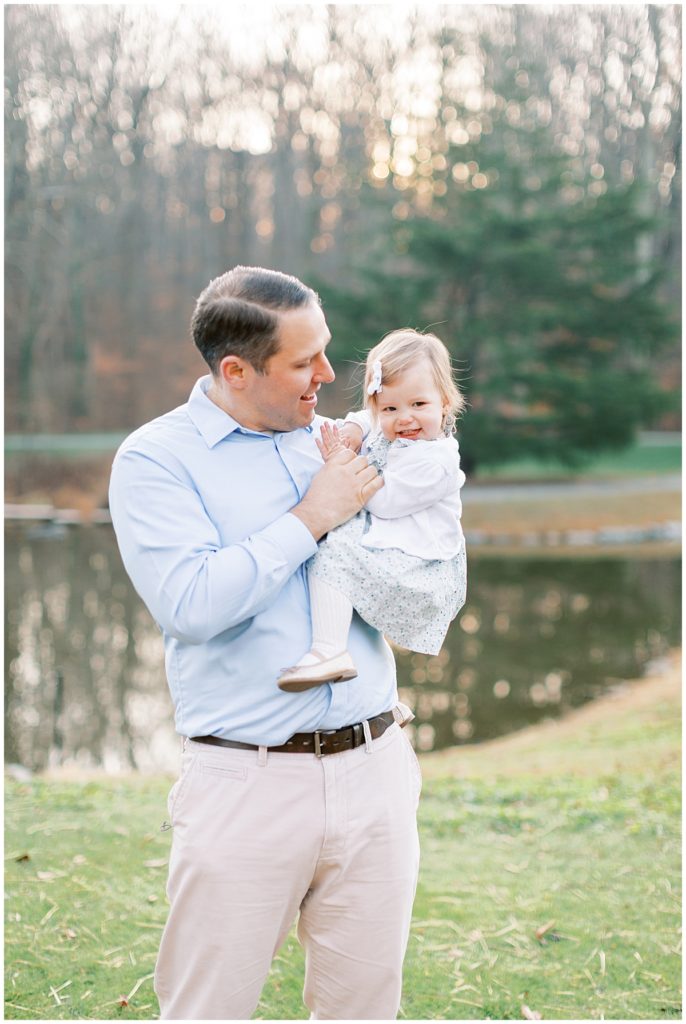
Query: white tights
x,y
331,613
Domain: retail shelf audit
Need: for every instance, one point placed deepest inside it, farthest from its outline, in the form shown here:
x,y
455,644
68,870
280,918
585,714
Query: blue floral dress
x,y
411,600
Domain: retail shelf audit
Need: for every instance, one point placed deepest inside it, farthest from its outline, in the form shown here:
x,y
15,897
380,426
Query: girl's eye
x,y
388,408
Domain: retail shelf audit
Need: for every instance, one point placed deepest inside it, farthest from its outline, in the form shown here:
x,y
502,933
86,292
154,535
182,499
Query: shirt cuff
x,y
293,538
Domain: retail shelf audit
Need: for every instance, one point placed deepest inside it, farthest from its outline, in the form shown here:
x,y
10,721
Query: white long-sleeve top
x,y
419,508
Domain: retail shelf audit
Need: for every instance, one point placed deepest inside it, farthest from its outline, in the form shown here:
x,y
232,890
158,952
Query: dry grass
x,y
36,479
575,512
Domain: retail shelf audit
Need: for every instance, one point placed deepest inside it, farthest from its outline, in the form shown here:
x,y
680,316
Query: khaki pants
x,y
260,837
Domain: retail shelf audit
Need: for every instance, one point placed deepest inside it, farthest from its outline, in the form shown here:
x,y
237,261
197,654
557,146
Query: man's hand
x,y
337,492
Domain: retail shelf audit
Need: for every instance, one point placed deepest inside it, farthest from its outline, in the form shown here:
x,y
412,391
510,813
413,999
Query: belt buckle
x,y
317,740
358,734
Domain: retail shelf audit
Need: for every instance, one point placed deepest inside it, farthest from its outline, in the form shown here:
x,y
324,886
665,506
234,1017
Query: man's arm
x,y
194,587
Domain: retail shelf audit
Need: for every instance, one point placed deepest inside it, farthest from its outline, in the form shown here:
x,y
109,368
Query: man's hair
x,y
237,314
401,349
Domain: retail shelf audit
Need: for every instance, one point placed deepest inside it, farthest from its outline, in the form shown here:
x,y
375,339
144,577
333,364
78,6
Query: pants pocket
x,y
179,786
223,770
415,768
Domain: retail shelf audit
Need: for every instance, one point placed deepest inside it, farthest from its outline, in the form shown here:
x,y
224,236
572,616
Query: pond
x,y
85,679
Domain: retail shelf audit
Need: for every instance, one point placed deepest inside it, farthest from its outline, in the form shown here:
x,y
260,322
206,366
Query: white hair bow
x,y
376,378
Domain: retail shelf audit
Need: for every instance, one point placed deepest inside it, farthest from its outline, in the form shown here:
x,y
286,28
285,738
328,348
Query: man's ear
x,y
235,372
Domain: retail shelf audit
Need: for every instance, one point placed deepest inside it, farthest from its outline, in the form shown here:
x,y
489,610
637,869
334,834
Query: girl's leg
x,y
328,660
332,614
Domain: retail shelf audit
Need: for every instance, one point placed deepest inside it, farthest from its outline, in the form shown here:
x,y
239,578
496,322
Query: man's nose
x,y
324,372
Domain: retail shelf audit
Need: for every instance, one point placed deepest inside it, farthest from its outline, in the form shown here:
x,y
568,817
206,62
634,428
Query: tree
x,y
539,289
146,151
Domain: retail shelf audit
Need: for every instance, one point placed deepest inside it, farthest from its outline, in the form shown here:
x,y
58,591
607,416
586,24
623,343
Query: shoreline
x,y
528,749
652,540
515,752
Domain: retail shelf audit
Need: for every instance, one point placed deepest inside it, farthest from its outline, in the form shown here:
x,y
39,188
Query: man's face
x,y
285,396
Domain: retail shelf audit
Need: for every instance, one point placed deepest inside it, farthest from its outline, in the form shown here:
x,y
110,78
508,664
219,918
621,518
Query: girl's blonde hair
x,y
397,352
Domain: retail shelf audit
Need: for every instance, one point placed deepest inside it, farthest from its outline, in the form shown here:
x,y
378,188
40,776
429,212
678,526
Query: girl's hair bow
x,y
375,384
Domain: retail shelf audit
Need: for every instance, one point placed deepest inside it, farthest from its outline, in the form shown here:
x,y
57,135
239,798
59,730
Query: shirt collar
x,y
213,423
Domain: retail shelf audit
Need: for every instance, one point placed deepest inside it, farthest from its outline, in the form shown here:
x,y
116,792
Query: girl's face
x,y
412,406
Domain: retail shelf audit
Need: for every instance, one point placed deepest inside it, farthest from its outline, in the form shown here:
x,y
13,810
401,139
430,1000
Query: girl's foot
x,y
320,670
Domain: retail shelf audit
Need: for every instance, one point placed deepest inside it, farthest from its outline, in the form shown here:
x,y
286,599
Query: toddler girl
x,y
401,561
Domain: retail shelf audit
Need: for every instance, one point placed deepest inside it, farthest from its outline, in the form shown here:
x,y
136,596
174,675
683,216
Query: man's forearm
x,y
316,521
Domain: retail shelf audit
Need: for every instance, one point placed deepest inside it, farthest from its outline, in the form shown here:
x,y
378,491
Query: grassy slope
x,y
638,458
575,822
571,827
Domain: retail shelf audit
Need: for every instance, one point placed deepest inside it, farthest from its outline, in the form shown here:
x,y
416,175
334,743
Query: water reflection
x,y
84,674
537,637
84,667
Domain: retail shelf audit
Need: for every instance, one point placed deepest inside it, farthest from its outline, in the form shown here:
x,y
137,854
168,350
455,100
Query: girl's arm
x,y
354,428
411,485
352,435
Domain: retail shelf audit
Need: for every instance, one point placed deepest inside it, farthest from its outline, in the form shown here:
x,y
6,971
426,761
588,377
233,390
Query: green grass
x,y
519,837
640,458
597,858
64,444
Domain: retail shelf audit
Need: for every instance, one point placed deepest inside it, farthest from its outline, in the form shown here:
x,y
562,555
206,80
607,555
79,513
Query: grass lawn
x,y
638,458
550,880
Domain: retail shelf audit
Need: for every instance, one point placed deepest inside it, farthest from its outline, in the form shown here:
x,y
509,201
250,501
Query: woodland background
x,y
508,175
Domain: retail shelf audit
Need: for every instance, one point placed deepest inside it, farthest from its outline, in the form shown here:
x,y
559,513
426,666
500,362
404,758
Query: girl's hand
x,y
331,442
351,435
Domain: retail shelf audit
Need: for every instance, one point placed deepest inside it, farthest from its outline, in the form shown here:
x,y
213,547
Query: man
x,y
289,804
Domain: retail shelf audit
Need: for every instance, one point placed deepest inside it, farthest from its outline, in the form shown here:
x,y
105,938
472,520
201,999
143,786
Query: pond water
x,y
85,679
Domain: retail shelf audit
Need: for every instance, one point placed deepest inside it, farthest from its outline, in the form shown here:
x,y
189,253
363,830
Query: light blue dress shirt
x,y
201,510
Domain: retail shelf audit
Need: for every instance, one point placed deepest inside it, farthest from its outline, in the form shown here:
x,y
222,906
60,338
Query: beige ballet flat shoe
x,y
327,670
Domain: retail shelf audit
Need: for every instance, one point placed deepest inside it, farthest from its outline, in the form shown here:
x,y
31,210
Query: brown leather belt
x,y
321,743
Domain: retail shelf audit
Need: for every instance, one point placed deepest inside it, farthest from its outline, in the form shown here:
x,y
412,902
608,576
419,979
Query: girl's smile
x,y
411,407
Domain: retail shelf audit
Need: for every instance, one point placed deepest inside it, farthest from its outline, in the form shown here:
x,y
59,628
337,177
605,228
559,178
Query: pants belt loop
x,y
262,757
367,737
